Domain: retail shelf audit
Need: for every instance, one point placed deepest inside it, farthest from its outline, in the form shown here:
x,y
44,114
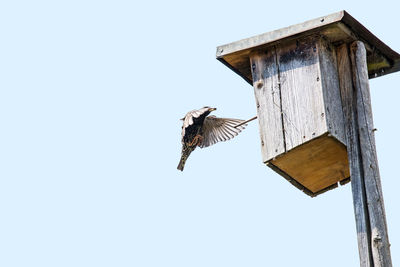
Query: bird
x,y
201,130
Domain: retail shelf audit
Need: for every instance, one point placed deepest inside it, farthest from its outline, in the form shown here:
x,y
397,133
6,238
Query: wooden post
x,y
373,241
312,95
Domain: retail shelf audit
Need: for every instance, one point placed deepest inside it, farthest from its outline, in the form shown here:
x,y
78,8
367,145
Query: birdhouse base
x,y
314,167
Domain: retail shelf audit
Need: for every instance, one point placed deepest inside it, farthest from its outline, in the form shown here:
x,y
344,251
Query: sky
x,y
91,93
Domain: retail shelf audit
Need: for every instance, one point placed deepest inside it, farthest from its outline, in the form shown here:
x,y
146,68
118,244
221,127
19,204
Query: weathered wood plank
x,y
268,101
379,237
331,91
301,91
280,34
316,165
337,28
353,150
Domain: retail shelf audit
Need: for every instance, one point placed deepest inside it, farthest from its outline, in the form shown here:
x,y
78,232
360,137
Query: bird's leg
x,y
196,140
199,140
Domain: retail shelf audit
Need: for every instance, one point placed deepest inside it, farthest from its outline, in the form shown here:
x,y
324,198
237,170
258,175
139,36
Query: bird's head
x,y
211,109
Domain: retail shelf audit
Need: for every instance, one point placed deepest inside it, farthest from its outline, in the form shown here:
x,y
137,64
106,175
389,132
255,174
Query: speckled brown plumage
x,y
202,130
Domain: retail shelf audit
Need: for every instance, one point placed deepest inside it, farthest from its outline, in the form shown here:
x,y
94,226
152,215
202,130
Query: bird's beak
x,y
212,109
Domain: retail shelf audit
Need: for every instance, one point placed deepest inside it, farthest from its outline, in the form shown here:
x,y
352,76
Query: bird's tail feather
x,y
182,162
186,150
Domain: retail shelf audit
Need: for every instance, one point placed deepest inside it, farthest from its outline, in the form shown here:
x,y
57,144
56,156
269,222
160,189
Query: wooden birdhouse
x,y
297,85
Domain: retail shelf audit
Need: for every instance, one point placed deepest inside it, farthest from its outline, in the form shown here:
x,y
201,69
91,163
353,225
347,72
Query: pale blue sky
x,y
91,93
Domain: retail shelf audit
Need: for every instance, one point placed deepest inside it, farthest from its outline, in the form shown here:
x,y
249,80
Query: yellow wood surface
x,y
317,164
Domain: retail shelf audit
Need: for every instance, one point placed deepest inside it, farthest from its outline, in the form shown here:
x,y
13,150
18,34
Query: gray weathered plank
x,y
279,34
379,237
353,151
301,91
267,94
337,28
331,91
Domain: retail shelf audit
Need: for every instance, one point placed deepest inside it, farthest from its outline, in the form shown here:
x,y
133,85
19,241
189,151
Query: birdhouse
x,y
294,73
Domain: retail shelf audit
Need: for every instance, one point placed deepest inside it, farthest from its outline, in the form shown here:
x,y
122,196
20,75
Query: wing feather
x,y
226,133
219,130
212,138
217,135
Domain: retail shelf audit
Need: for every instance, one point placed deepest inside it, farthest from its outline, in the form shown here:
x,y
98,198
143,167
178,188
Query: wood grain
x,y
331,90
316,165
353,150
301,91
338,28
267,94
300,115
379,237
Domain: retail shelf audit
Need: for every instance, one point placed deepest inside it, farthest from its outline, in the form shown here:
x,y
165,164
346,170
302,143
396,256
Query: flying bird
x,y
202,130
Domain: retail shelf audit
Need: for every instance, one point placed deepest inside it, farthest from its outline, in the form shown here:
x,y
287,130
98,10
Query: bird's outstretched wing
x,y
219,129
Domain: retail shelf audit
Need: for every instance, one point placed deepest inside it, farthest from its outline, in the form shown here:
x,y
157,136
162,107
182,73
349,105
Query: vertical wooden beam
x,y
348,95
302,99
268,100
331,91
379,239
373,241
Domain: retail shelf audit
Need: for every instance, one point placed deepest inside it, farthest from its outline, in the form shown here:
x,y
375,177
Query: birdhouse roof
x,y
337,28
